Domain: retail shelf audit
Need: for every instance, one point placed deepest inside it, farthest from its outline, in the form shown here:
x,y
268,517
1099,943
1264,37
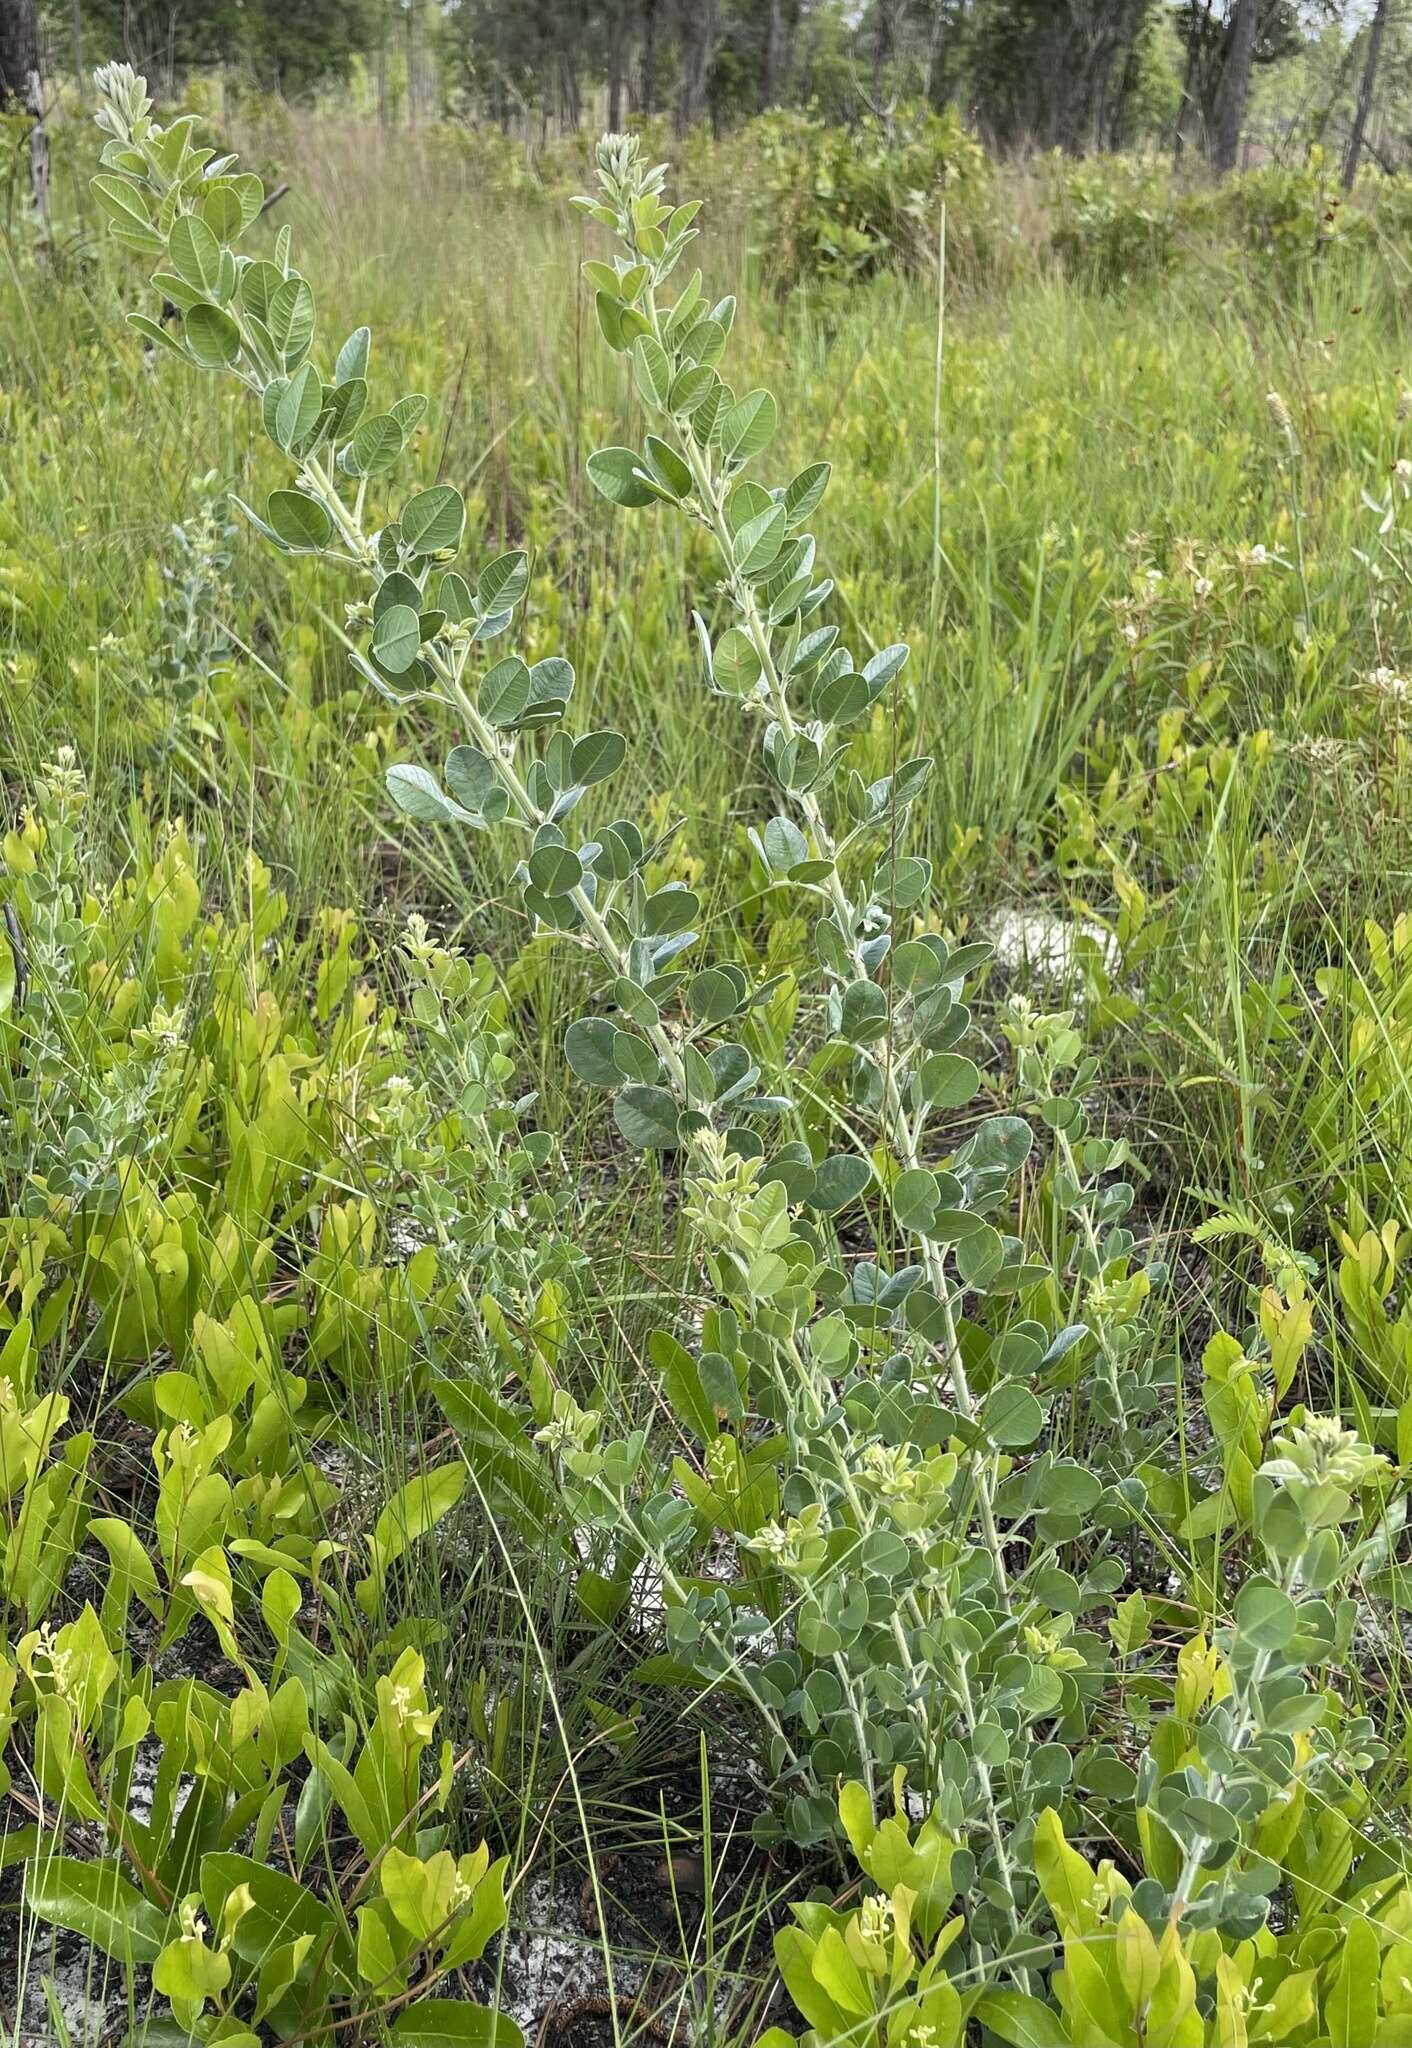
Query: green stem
x,y
711,493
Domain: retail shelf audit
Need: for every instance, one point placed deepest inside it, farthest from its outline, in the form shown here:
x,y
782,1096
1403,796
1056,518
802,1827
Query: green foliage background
x,y
291,1146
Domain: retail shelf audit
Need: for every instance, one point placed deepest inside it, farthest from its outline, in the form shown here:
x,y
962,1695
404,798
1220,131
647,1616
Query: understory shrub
x,y
834,204
1119,220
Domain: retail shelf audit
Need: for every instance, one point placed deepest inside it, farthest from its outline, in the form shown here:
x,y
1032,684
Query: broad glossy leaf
x,y
454,2023
282,1909
97,1901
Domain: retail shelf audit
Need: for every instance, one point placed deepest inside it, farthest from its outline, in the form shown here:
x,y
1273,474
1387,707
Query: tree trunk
x,y
1127,84
649,56
931,66
882,47
19,50
21,86
699,29
1234,89
615,66
1194,98
1365,95
774,40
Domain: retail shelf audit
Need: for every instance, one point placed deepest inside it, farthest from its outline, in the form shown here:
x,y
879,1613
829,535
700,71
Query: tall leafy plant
x,y
879,1536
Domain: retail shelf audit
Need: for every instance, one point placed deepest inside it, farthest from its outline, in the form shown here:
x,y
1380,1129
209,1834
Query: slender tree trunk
x,y
1234,89
931,67
883,25
19,50
700,25
649,56
22,86
1127,84
774,38
1184,104
1365,95
615,66
1197,91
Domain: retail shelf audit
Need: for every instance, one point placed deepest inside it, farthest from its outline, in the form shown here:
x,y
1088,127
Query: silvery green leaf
x,y
616,473
195,254
374,448
654,371
211,335
555,870
503,582
432,521
804,493
748,427
300,522
588,1048
290,319
596,756
470,776
300,400
735,665
886,663
416,791
397,637
667,468
352,360
504,692
757,543
839,1180
647,1118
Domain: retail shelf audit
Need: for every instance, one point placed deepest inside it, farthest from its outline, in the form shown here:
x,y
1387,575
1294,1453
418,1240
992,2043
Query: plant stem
x,y
711,493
